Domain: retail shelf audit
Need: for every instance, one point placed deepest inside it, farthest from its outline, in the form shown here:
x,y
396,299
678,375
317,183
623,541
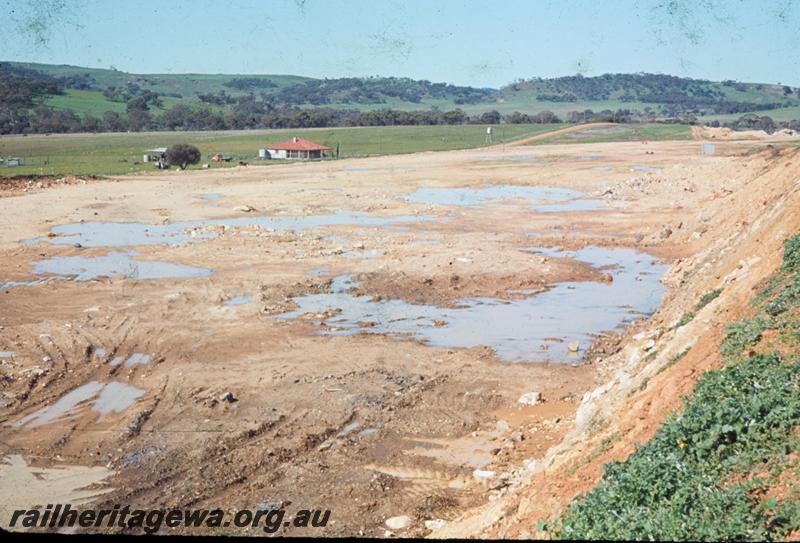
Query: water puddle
x,y
488,193
374,253
517,158
349,428
136,359
571,205
238,300
643,168
116,397
322,270
80,268
539,327
121,234
23,486
210,196
112,397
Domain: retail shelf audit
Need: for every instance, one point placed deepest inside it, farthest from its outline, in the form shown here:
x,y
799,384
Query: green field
x,y
94,103
624,132
115,154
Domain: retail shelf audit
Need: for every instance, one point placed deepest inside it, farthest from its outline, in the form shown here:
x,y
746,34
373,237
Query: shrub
x,y
707,298
791,254
686,318
742,334
182,154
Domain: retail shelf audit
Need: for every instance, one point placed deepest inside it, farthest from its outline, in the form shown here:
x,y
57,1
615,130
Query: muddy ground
x,y
228,403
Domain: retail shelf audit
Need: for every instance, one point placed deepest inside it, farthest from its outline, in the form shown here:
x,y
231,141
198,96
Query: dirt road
x,y
350,335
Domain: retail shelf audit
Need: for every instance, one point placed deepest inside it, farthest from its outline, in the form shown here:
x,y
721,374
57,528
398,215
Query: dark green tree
x,y
183,154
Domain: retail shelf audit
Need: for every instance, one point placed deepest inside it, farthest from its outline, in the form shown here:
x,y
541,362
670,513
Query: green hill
x,y
42,98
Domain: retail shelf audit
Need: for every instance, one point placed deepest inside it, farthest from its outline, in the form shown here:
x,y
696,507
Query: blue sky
x,y
471,42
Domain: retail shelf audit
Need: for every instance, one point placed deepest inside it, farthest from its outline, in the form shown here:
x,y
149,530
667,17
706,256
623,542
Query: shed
x,y
295,147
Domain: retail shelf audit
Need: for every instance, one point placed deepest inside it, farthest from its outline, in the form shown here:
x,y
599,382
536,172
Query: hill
x,y
42,98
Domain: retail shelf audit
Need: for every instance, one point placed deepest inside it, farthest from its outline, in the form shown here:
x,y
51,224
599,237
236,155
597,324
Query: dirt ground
x,y
370,426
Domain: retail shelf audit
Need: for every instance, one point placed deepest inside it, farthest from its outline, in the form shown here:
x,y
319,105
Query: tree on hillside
x,y
183,154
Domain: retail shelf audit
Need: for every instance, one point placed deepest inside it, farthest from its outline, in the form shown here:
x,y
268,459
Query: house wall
x,y
275,153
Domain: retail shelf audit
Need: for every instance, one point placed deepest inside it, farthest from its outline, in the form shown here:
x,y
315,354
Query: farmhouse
x,y
294,148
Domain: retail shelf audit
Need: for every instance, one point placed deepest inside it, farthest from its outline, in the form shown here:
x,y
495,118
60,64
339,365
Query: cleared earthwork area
x,y
353,335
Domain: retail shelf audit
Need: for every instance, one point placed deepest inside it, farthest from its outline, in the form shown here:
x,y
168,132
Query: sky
x,y
483,43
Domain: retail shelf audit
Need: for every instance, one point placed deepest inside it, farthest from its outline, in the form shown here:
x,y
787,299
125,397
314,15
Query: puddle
x,y
602,168
210,196
5,355
426,242
136,359
322,270
349,428
366,432
100,353
80,268
238,300
112,397
374,253
588,157
23,486
517,158
121,234
116,397
488,193
643,168
538,327
571,205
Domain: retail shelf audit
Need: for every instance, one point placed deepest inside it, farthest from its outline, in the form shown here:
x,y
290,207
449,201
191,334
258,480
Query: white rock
x,y
483,474
649,345
574,346
435,524
530,398
399,522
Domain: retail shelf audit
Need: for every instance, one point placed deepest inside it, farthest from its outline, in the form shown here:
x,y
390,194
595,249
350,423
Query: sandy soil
x,y
296,430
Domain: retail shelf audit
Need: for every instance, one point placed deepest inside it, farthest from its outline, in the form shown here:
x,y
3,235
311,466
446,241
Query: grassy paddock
x,y
624,132
115,154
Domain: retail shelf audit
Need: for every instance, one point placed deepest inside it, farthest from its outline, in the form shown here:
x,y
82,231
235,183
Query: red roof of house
x,y
298,144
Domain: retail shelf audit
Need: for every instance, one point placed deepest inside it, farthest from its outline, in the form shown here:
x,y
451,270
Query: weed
x,y
742,334
707,298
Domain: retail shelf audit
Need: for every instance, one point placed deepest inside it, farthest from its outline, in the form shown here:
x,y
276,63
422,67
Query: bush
x,y
685,319
742,334
791,254
707,298
183,154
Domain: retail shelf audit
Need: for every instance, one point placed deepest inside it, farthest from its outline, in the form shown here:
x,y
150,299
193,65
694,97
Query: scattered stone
x,y
649,345
530,398
245,208
227,397
399,522
483,474
666,232
435,524
574,346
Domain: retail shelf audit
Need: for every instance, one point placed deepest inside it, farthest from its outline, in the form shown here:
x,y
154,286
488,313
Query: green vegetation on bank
x,y
115,154
725,466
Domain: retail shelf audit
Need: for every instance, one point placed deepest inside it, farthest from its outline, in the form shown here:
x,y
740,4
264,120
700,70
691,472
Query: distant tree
x,y
490,117
183,154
